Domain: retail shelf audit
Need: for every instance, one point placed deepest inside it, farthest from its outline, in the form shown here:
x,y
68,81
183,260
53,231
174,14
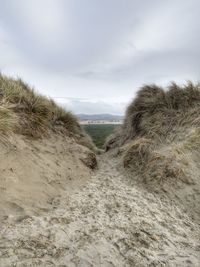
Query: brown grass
x,y
137,152
161,132
8,122
33,114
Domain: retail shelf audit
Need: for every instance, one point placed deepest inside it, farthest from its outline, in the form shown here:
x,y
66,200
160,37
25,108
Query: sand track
x,y
107,222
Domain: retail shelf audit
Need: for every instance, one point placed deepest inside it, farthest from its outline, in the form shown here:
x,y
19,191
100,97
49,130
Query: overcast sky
x,y
93,55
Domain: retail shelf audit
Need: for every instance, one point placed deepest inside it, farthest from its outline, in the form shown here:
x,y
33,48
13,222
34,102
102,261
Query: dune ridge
x,y
139,207
44,150
159,142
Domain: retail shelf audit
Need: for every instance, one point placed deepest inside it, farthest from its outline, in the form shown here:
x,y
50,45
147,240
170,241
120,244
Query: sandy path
x,y
106,223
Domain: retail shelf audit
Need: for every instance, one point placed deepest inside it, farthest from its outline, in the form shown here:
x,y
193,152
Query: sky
x,y
92,56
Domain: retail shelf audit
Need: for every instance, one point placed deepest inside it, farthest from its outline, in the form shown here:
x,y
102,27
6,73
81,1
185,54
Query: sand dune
x,y
35,172
138,207
108,222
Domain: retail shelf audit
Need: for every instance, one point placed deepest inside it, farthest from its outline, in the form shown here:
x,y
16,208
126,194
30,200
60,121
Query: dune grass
x,y
32,114
8,122
161,131
156,112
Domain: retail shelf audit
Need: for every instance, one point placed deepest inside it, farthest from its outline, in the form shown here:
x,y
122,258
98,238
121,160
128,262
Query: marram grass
x,y
34,115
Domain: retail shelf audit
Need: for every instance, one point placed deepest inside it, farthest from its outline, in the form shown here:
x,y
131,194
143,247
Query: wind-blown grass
x,y
161,132
33,114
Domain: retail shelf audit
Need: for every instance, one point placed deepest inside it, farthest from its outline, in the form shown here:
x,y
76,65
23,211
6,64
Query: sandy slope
x,y
34,172
108,222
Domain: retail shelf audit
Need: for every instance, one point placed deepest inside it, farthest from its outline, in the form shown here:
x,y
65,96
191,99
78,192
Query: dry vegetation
x,y
26,112
160,137
44,151
55,211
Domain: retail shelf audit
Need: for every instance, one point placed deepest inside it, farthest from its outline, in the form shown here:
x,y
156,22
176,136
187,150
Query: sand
x,y
35,172
107,221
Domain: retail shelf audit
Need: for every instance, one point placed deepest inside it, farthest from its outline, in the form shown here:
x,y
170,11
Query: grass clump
x,y
156,112
34,115
8,120
161,131
137,152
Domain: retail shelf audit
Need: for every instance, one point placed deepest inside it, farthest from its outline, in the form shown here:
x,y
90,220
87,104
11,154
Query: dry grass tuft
x,y
164,165
8,122
137,152
161,132
37,115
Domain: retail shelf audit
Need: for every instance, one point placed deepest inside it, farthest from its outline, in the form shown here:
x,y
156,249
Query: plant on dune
x,y
38,115
160,131
171,163
137,152
34,110
8,122
65,118
156,112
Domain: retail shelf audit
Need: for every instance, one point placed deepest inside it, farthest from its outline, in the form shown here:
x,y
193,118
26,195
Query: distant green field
x,y
99,132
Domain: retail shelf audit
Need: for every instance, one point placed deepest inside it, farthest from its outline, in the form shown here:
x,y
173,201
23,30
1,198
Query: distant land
x,y
100,119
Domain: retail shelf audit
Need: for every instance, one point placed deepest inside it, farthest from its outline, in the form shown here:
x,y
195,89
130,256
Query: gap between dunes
x,y
108,222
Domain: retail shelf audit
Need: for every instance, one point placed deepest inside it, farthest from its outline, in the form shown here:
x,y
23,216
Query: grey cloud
x,y
100,107
100,50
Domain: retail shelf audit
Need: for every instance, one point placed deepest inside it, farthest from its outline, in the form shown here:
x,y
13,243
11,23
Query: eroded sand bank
x,y
107,222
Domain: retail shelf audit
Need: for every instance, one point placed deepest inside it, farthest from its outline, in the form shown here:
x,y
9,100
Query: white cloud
x,y
97,107
101,51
